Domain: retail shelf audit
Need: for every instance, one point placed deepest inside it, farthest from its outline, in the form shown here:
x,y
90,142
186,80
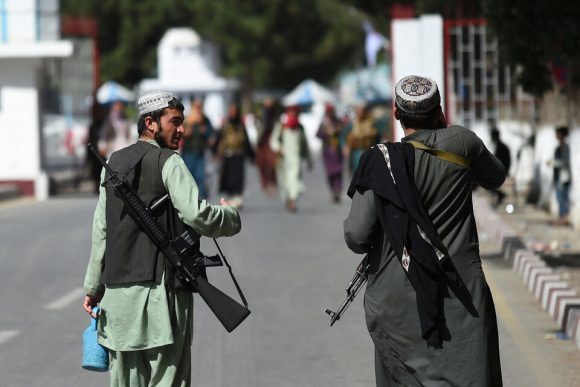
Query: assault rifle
x,y
358,280
187,262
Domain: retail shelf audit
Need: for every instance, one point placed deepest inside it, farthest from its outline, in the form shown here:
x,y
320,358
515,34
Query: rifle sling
x,y
134,162
443,155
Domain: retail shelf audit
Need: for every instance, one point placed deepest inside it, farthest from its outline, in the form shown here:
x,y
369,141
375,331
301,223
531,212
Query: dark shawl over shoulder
x,y
405,221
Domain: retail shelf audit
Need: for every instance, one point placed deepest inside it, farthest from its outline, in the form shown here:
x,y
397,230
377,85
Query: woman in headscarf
x,y
233,147
359,136
265,157
329,132
288,141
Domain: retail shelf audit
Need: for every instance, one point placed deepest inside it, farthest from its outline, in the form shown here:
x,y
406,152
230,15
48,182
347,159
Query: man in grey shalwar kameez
x,y
468,354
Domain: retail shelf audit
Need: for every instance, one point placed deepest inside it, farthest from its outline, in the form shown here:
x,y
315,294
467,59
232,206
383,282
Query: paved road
x,y
290,266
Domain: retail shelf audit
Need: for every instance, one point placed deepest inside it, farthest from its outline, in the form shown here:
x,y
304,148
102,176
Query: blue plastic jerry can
x,y
95,356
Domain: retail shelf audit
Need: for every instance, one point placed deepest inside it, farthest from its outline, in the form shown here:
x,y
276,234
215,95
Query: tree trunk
x,y
248,88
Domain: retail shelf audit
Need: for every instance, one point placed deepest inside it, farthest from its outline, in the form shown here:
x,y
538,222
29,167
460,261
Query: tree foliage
x,y
265,43
129,32
535,36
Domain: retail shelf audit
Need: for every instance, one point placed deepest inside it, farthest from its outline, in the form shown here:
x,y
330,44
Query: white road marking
x,y
72,296
7,335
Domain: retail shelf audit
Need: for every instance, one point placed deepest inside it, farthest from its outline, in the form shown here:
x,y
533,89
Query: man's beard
x,y
160,140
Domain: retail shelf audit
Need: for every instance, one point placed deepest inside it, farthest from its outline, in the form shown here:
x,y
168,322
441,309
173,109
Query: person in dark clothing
x,y
562,176
427,303
98,115
502,152
265,157
233,147
329,133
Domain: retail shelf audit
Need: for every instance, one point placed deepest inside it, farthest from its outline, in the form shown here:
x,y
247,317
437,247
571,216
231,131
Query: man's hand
x,y
224,202
90,302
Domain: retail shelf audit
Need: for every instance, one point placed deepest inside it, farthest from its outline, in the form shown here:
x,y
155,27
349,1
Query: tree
x,y
265,43
535,36
129,32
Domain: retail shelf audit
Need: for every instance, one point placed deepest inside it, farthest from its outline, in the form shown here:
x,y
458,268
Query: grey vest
x,y
130,256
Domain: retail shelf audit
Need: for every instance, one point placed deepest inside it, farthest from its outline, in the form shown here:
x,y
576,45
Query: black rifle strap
x,y
231,274
169,269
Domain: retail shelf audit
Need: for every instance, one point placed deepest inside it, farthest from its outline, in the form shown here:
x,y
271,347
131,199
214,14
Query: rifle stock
x,y
227,310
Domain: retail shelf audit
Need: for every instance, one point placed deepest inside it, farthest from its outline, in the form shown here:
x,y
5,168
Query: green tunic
x,y
471,356
137,316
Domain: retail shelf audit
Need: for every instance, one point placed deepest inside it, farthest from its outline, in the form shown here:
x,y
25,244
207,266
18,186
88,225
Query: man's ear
x,y
150,124
396,112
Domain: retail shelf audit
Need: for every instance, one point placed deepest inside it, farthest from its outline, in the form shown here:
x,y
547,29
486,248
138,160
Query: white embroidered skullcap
x,y
154,100
417,95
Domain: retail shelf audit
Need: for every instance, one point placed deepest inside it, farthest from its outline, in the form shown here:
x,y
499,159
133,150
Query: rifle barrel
x,y
358,280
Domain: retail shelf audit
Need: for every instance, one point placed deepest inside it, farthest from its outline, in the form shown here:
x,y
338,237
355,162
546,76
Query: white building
x,y
29,33
417,48
186,67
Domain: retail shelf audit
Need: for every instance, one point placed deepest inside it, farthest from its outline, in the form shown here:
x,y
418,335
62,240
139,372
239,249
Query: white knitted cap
x,y
154,100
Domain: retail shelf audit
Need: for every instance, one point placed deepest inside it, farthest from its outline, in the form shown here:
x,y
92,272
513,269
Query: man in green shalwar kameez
x,y
146,321
468,351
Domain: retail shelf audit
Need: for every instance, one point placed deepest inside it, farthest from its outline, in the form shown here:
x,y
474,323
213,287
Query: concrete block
x,y
510,246
556,296
526,261
523,258
572,322
576,335
518,255
541,283
549,288
563,308
535,272
528,266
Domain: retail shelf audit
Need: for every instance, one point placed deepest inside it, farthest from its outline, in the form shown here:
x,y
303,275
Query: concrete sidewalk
x,y
546,258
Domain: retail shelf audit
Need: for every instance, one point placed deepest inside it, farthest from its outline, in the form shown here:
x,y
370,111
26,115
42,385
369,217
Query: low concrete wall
x,y
554,293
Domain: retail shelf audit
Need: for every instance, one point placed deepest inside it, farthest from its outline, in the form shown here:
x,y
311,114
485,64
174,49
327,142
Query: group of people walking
x,y
281,152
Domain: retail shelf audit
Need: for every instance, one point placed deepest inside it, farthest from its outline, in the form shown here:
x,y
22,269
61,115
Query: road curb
x,y
9,191
554,293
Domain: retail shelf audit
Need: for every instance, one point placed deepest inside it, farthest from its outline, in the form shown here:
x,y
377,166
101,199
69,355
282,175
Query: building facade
x,y
29,34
